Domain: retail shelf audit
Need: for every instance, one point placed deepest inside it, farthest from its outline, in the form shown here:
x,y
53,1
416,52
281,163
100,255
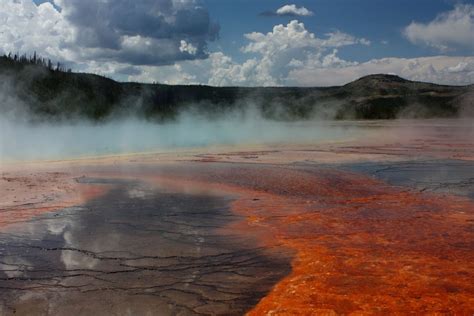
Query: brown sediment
x,y
29,192
395,253
361,246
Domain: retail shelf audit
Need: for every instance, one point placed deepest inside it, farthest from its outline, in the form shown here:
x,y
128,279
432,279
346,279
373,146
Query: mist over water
x,y
21,140
27,136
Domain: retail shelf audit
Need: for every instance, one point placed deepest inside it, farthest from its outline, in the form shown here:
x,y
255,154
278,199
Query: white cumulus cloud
x,y
292,55
135,32
275,55
448,31
27,27
437,69
107,42
188,48
293,10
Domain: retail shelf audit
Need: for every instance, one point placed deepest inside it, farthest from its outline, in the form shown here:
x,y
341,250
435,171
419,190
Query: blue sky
x,y
375,20
211,41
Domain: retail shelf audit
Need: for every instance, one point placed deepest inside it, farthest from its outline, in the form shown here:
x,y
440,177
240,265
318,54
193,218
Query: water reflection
x,y
134,251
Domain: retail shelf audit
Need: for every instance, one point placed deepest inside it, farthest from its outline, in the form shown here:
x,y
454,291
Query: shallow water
x,y
23,141
440,176
381,226
137,250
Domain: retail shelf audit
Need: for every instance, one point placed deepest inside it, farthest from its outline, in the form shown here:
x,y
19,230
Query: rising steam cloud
x,y
22,140
25,136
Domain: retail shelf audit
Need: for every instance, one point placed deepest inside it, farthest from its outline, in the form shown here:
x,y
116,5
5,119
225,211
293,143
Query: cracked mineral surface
x,y
135,249
377,225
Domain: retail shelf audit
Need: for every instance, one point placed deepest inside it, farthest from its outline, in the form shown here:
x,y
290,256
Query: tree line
x,y
36,60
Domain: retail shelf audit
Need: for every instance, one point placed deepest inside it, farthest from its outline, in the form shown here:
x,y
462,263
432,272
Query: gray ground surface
x,y
135,251
441,176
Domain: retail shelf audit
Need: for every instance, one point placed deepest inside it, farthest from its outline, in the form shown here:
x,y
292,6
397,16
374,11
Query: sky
x,y
247,42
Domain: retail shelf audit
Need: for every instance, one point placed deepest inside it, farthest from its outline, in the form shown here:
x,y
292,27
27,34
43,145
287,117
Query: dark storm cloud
x,y
129,70
141,32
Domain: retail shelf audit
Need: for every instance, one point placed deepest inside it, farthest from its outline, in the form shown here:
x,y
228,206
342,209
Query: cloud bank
x,y
139,32
275,55
290,55
438,69
166,41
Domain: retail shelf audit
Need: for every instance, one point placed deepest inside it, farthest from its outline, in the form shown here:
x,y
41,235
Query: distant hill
x,y
48,92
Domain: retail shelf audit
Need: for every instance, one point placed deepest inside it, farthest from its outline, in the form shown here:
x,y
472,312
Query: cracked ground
x,y
371,226
135,249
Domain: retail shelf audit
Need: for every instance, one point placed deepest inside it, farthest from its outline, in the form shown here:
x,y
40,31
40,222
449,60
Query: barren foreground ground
x,y
378,224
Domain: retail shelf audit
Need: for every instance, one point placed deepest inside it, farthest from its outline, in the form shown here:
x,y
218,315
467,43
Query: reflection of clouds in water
x,y
137,240
70,229
137,193
14,267
52,224
57,227
76,260
73,259
74,238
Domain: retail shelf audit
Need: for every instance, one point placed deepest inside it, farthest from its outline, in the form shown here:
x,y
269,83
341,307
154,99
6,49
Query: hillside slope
x,y
48,93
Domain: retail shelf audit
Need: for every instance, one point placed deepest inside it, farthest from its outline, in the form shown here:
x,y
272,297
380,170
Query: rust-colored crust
x,y
361,246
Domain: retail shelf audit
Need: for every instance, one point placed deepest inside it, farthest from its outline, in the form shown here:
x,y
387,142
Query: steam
x,y
27,136
25,141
